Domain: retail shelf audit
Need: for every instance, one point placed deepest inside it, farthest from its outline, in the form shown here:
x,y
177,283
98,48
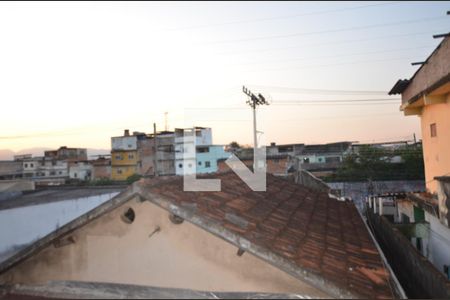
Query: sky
x,y
77,73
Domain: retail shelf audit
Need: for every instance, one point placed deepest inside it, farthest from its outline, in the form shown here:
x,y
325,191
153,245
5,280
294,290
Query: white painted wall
x,y
23,225
439,239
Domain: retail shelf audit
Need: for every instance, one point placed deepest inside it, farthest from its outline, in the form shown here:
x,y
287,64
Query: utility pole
x,y
415,141
155,152
254,101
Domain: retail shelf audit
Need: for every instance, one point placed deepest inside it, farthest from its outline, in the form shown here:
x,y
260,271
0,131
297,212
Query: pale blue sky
x,y
77,73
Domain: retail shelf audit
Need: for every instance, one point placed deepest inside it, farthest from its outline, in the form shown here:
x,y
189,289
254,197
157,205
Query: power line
x,y
319,91
421,20
334,56
334,101
281,17
330,65
382,37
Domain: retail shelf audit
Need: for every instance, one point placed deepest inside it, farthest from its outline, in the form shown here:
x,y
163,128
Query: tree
x,y
375,163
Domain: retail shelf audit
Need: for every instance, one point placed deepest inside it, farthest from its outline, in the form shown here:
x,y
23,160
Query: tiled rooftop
x,y
316,233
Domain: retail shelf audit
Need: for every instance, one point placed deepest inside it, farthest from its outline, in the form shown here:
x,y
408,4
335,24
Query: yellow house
x,y
123,164
124,156
427,95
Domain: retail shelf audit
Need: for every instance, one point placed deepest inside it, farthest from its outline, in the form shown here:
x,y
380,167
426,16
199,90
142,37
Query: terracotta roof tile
x,y
307,228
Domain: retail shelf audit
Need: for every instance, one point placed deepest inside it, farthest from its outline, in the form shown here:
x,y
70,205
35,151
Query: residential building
x,y
10,170
101,167
284,150
46,170
288,240
208,157
124,156
320,159
80,170
427,95
408,227
165,153
68,154
186,142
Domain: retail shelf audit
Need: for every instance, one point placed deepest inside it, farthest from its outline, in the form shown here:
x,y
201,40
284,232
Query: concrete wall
x,y
307,179
81,171
418,276
438,66
439,239
436,150
124,143
16,185
178,256
22,225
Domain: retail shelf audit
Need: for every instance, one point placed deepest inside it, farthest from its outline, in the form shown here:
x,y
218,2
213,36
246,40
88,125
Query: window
x,y
130,156
306,160
199,163
118,157
26,165
207,164
128,216
202,149
75,175
433,130
180,166
60,172
52,173
119,171
31,165
53,163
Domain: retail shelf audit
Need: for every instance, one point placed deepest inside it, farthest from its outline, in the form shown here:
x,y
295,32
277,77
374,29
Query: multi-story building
x,y
80,170
68,154
163,145
101,167
124,156
208,157
187,140
427,215
45,170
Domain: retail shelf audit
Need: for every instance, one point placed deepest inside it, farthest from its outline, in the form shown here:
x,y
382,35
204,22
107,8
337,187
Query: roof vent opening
x,y
128,216
175,219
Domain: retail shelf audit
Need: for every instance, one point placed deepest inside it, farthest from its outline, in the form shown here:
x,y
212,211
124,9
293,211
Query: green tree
x,y
133,178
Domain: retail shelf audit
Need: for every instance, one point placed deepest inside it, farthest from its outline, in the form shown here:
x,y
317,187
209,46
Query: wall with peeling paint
x,y
177,256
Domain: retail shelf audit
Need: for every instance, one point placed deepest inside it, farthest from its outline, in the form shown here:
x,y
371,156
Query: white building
x,y
186,142
80,170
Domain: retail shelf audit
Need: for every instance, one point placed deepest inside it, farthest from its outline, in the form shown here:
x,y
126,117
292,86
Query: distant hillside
x,y
6,154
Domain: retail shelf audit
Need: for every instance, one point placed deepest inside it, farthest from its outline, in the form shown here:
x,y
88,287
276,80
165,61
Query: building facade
x,y
46,170
68,154
427,95
186,142
124,156
80,170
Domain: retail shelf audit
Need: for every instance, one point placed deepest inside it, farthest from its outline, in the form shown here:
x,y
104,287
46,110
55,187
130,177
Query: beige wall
x,y
436,150
181,256
436,68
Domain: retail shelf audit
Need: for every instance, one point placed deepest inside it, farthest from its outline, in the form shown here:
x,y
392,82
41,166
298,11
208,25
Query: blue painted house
x,y
207,157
